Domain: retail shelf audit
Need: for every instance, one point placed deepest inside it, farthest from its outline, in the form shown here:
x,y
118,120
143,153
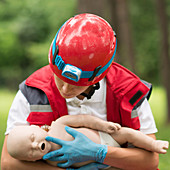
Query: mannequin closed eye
x,y
32,137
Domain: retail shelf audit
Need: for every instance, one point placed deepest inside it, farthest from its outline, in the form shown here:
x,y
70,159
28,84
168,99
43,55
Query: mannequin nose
x,y
35,145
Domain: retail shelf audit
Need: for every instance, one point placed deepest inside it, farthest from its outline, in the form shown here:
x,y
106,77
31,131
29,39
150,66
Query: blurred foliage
x,y
146,39
146,35
26,31
28,27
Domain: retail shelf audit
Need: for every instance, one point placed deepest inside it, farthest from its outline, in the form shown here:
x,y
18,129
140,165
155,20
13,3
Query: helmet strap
x,y
92,91
96,70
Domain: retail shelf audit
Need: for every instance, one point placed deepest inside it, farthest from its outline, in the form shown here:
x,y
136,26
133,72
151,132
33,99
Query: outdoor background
x,y
28,27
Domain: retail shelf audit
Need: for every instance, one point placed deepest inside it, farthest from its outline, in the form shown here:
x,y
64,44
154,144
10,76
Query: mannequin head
x,y
27,143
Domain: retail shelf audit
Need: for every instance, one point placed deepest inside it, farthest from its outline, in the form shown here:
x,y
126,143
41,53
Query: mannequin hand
x,y
91,166
81,149
111,127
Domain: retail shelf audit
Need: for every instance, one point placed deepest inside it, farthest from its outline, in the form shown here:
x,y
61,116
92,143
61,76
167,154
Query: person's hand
x,y
81,149
91,166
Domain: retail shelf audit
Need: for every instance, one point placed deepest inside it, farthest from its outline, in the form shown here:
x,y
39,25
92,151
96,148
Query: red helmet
x,y
83,50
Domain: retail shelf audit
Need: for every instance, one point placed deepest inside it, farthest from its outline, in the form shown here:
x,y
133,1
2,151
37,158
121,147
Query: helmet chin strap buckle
x,y
96,70
92,91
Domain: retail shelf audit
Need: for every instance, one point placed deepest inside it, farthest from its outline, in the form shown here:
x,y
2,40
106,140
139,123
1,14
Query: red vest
x,y
124,91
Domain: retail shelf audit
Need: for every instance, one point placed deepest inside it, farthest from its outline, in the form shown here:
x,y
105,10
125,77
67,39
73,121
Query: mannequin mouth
x,y
43,146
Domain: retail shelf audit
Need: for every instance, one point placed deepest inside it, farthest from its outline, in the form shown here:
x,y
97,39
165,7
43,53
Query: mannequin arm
x,y
8,162
140,140
132,158
88,121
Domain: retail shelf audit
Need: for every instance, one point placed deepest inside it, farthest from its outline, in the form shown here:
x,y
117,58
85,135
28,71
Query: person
x,y
34,145
82,78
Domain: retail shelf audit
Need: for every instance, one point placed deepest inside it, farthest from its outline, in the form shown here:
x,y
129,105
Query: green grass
x,y
6,98
158,105
164,162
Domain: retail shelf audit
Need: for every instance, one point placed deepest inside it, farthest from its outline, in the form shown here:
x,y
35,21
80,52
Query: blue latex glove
x,y
81,149
91,166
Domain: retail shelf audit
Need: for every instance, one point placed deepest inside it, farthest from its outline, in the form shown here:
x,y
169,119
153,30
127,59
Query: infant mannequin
x,y
28,142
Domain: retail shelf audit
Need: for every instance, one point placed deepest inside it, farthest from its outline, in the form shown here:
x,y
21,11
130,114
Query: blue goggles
x,y
72,72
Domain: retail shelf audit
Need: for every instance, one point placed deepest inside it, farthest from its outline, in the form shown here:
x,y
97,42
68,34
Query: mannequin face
x,y
67,90
28,143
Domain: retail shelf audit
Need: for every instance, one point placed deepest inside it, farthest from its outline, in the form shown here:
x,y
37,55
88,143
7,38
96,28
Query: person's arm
x,y
132,158
88,121
8,162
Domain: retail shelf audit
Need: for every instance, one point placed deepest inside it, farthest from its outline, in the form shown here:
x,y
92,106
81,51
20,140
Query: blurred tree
x,y
91,6
120,9
164,57
145,33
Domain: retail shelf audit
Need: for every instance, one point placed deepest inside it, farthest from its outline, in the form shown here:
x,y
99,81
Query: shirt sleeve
x,y
18,112
146,118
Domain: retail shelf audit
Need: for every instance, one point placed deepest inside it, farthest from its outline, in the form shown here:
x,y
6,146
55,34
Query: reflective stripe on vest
x,y
40,108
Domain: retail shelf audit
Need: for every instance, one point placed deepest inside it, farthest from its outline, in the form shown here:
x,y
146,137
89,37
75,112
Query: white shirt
x,y
95,106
